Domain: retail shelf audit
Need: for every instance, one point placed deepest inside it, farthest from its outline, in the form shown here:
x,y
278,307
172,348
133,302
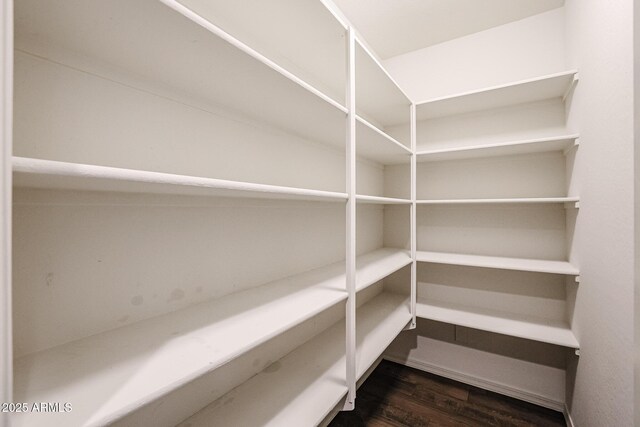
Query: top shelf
x,y
379,99
169,46
303,36
546,87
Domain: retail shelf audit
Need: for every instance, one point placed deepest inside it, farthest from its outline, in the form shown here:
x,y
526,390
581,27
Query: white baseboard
x,y
483,383
567,417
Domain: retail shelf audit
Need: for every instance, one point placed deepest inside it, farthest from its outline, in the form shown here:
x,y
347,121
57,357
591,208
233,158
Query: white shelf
x,y
309,381
379,200
537,145
376,145
531,90
378,97
504,263
299,389
377,265
97,375
525,200
537,329
304,36
202,338
166,44
378,323
49,174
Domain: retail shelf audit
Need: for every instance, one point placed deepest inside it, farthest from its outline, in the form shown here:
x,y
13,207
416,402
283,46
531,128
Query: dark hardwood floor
x,y
396,395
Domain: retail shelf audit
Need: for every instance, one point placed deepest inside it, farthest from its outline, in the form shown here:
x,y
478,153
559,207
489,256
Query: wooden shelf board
x,y
504,263
531,90
311,380
538,145
374,144
379,200
537,329
50,174
166,44
375,266
161,354
522,200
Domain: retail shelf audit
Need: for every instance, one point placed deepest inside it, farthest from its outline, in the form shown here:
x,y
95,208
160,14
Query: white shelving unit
x,y
309,392
469,187
164,161
203,338
165,155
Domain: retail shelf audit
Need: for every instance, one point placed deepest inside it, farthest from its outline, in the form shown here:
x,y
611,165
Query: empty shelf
x,y
504,263
159,355
167,45
310,381
377,265
50,174
378,323
537,329
376,145
379,200
525,200
378,96
538,145
546,87
299,389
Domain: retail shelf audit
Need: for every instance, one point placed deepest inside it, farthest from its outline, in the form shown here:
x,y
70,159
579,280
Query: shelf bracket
x,y
576,144
575,205
348,406
570,88
411,325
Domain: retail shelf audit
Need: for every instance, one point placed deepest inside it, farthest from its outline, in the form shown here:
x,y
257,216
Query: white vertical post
x,y
351,223
6,108
414,231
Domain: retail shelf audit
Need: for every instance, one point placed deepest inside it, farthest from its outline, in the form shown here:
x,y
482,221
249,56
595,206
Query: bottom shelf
x,y
537,329
304,386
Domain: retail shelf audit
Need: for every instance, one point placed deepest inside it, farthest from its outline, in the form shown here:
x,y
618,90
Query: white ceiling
x,y
394,27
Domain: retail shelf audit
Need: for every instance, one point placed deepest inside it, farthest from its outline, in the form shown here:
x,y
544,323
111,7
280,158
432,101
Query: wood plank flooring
x,y
396,395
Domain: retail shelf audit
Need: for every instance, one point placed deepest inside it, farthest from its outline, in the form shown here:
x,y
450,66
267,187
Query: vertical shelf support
x,y
412,219
6,112
351,225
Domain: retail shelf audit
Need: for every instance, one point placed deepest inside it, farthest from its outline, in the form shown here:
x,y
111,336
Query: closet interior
x,y
224,215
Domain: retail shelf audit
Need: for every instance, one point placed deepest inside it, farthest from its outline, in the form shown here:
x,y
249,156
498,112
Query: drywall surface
x,y
523,49
6,96
599,39
636,111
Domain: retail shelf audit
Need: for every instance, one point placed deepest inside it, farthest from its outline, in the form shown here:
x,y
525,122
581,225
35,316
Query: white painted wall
x,y
6,98
636,106
527,48
599,39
